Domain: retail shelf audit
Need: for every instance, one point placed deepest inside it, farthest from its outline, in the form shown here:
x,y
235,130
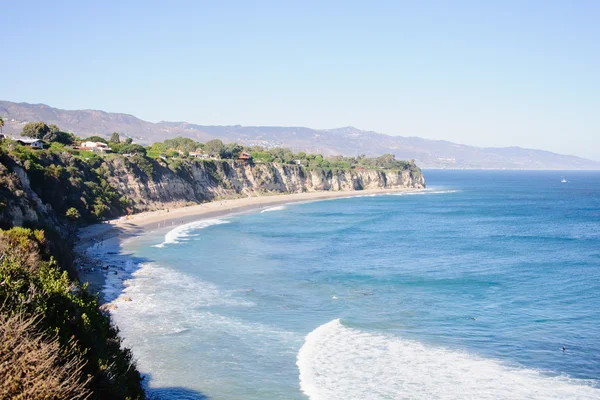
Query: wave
x,y
277,208
166,297
337,362
174,322
183,231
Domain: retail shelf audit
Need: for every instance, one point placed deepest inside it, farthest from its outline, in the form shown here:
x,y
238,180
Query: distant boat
x,y
564,180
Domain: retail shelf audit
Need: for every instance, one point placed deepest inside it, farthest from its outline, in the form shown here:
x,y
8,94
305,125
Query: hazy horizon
x,y
487,75
309,127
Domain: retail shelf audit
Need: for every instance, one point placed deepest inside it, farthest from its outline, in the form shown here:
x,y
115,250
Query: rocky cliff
x,y
198,181
45,185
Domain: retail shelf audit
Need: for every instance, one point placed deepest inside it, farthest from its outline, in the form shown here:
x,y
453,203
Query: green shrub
x,y
72,214
35,287
144,164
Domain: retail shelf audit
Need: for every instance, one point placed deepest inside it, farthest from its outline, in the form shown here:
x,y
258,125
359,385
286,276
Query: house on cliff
x,y
200,155
96,147
244,158
34,143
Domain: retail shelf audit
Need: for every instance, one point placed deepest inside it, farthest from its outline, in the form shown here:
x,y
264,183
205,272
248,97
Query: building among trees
x,y
34,143
244,157
97,147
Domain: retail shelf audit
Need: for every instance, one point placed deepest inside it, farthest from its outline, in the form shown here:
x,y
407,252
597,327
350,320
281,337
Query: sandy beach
x,y
99,244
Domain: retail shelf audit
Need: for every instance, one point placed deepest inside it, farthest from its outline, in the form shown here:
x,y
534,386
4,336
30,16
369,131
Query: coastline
x,y
99,245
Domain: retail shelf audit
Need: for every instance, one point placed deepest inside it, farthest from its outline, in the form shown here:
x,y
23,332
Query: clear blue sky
x,y
487,73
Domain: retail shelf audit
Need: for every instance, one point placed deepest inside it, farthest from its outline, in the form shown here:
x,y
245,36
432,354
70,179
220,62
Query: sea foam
x,y
337,362
173,322
181,232
278,208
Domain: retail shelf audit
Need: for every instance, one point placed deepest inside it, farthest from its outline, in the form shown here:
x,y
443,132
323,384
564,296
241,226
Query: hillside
x,y
345,141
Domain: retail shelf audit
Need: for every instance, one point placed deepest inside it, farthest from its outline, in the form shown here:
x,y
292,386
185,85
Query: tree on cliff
x,y
282,155
36,130
181,143
214,147
1,124
115,138
96,139
230,151
128,148
57,135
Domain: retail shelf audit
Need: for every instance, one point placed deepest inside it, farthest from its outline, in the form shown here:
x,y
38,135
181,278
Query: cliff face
x,y
42,186
199,181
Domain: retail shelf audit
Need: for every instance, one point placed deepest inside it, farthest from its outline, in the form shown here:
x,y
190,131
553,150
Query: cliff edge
x,y
51,187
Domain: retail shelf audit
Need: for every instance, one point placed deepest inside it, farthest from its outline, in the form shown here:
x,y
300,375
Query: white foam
x,y
174,326
278,208
337,362
153,286
181,232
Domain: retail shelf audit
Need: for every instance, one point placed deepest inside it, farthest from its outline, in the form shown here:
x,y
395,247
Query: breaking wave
x,y
176,325
337,362
278,208
183,231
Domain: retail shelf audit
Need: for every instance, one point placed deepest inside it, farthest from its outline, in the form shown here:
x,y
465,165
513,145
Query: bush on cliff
x,y
60,320
34,365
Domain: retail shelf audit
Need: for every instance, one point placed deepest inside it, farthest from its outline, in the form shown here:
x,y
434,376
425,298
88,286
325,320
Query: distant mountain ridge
x,y
346,140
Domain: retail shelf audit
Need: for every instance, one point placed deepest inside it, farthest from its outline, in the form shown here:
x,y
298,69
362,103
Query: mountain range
x,y
347,141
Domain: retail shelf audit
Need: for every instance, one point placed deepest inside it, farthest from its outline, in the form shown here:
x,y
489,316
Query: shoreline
x,y
99,245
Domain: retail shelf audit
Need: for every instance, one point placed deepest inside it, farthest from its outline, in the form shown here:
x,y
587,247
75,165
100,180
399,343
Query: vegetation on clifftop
x,y
61,179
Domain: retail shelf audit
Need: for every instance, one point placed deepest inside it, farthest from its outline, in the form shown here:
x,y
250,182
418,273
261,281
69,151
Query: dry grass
x,y
34,367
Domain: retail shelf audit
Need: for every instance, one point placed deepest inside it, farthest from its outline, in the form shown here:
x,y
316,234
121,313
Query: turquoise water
x,y
466,290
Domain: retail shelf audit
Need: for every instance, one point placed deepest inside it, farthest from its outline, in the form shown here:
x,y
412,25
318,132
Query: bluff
x,y
46,186
199,181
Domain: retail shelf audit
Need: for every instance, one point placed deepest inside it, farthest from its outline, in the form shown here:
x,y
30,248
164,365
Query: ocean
x,y
466,290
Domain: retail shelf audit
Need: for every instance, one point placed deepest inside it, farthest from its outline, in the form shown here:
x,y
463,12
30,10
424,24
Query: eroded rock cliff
x,y
45,186
198,181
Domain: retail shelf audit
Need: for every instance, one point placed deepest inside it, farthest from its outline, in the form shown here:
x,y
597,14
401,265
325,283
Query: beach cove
x,y
434,293
107,237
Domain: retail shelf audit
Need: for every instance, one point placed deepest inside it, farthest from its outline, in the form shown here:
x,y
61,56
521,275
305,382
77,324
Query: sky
x,y
485,73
